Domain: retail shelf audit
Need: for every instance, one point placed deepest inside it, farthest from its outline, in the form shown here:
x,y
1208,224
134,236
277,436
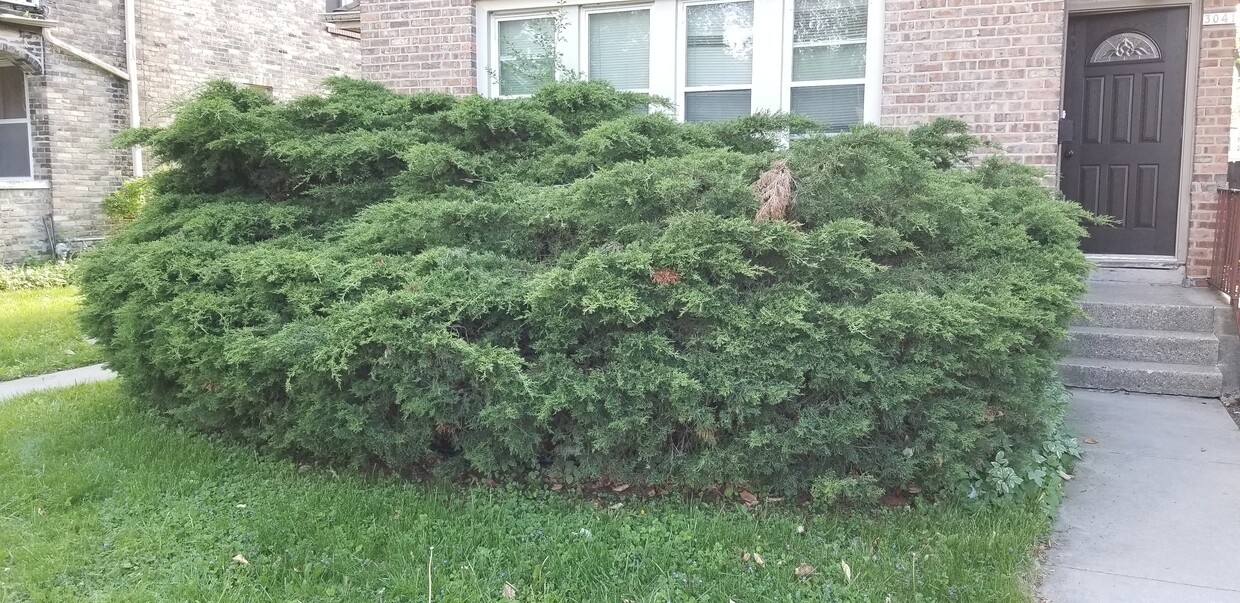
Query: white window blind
x,y
14,124
619,48
719,45
526,55
829,61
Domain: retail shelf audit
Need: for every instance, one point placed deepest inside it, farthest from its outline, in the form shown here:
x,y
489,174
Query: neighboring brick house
x,y
66,81
1144,87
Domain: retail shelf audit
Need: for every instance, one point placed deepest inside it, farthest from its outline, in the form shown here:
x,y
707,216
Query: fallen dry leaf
x,y
774,499
847,570
746,556
804,570
620,488
749,498
759,560
1063,475
510,591
912,489
1090,441
616,507
241,560
557,487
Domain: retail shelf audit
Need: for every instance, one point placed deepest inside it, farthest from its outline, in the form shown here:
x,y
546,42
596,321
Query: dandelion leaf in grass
x,y
567,284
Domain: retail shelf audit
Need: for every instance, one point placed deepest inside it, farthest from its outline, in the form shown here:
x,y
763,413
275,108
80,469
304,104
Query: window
x,y
618,47
714,59
1127,46
526,54
14,124
829,61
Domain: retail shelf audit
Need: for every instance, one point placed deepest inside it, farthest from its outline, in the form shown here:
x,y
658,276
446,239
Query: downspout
x,y
131,65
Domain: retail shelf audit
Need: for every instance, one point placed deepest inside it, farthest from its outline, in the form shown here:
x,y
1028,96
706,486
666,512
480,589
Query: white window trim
x,y
770,88
873,79
566,46
584,58
683,89
29,131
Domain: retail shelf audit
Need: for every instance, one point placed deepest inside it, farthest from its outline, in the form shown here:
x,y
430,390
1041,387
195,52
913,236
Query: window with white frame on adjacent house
x,y
713,59
15,157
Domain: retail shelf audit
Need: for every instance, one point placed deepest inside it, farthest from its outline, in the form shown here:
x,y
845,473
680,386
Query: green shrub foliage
x,y
570,286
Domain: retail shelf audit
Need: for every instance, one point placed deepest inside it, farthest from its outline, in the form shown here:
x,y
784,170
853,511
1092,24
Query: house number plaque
x,y
1228,18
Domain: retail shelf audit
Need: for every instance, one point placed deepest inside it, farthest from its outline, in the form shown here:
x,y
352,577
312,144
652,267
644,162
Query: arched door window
x,y
1125,46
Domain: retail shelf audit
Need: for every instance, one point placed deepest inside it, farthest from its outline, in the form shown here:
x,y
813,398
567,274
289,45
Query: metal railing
x,y
1225,266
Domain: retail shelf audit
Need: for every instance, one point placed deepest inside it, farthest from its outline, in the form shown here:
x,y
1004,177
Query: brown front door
x,y
1124,100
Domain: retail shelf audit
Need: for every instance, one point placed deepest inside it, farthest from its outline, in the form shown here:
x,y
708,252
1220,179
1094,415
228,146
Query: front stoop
x,y
1144,333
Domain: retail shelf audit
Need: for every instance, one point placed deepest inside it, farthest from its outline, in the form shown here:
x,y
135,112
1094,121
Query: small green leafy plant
x,y
123,205
1031,474
36,275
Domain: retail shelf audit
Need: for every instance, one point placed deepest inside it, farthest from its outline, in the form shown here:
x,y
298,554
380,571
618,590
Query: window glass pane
x,y
526,55
818,21
719,44
14,151
838,107
716,106
12,93
833,62
620,48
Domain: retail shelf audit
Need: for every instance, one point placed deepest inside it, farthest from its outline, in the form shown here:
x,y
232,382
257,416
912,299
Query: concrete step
x,y
1142,377
1144,345
1154,317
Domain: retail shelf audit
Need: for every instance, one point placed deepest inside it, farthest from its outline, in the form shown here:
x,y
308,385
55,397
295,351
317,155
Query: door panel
x,y
1125,93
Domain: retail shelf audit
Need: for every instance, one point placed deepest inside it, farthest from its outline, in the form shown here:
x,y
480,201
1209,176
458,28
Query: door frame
x,y
1193,60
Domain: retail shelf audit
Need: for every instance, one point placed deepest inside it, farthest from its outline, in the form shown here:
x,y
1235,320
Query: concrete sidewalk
x,y
1154,512
86,374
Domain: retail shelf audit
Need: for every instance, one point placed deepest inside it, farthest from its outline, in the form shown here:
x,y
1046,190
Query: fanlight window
x,y
1127,46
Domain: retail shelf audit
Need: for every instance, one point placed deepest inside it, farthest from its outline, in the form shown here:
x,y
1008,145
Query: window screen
x,y
14,124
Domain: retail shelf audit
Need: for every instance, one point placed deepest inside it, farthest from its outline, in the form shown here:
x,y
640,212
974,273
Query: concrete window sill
x,y
24,185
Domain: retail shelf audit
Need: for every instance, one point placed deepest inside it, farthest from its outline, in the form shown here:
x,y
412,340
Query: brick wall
x,y
995,64
86,109
420,45
281,44
77,108
1211,137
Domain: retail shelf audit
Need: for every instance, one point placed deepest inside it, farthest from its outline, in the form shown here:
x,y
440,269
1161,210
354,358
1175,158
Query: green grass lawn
x,y
38,330
100,501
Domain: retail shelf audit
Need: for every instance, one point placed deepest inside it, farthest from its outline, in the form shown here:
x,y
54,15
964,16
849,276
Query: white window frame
x,y
682,57
26,121
566,45
872,81
770,88
591,10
